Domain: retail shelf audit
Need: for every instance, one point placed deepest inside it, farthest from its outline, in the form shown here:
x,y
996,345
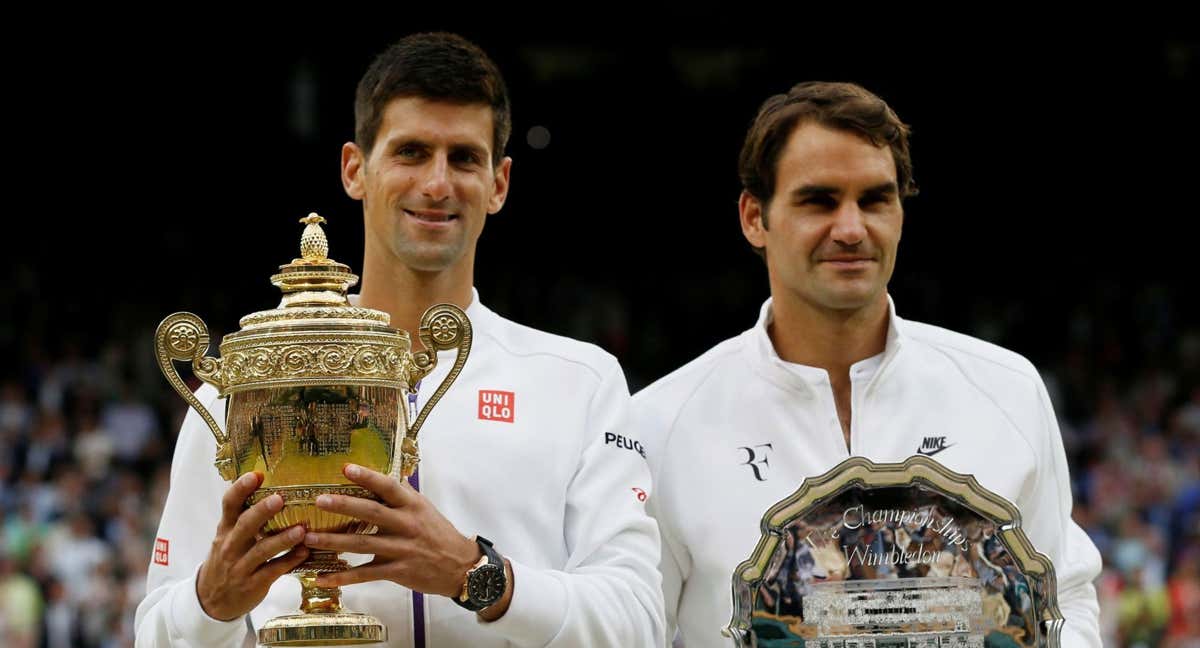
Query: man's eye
x,y
817,201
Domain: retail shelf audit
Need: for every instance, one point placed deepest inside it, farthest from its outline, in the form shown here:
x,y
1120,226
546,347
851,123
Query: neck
x,y
404,293
830,339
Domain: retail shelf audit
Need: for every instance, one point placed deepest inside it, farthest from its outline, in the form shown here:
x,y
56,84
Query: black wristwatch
x,y
485,582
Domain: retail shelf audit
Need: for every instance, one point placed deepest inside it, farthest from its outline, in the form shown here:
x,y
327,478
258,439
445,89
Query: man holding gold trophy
x,y
523,526
837,476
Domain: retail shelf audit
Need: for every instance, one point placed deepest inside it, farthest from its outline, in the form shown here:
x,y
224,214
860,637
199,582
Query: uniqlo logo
x,y
161,549
496,405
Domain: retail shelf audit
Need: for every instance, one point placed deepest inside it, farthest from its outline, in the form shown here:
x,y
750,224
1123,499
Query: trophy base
x,y
322,629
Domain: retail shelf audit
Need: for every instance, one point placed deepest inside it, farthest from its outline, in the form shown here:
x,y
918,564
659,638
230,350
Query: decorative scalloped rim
x,y
308,493
389,342
866,474
315,312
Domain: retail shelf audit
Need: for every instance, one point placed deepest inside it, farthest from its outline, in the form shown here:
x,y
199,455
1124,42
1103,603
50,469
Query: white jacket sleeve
x,y
609,592
1048,524
651,422
675,566
171,615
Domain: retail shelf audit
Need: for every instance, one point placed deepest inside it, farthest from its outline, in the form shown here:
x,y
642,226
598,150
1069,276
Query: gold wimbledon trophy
x,y
312,385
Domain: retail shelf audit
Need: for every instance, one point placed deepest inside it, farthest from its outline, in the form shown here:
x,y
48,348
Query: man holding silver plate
x,y
837,476
524,526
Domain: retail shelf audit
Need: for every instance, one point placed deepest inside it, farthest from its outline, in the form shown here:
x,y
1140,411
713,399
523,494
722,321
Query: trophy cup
x,y
894,555
312,385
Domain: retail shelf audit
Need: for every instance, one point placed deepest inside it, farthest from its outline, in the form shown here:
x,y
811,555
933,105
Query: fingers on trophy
x,y
312,385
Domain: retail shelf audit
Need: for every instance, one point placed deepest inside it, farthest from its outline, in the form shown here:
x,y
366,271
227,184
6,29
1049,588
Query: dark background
x,y
1056,167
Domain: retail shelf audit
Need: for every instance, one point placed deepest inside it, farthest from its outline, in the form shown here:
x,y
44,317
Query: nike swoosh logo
x,y
933,452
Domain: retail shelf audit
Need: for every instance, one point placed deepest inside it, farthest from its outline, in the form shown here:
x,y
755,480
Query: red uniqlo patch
x,y
496,405
161,548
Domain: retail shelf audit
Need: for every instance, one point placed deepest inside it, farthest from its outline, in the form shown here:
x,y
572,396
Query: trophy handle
x,y
183,337
443,327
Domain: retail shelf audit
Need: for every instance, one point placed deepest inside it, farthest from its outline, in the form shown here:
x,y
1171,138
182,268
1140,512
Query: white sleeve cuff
x,y
537,610
193,625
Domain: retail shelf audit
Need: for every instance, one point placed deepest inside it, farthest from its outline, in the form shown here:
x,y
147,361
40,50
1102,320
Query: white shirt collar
x,y
480,316
797,375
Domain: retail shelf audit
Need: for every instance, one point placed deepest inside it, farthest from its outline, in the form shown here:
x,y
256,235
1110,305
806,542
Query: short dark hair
x,y
439,66
840,106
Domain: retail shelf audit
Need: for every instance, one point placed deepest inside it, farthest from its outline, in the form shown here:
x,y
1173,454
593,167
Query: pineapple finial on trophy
x,y
313,244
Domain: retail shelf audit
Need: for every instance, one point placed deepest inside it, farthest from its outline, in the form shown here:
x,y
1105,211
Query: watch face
x,y
486,584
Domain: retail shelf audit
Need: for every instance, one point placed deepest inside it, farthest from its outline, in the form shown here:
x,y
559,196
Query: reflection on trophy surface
x,y
312,385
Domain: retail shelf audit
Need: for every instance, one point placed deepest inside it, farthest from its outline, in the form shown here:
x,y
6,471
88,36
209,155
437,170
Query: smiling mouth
x,y
431,217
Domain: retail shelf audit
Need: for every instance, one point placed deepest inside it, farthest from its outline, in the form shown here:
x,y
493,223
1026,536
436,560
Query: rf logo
x,y
756,458
640,494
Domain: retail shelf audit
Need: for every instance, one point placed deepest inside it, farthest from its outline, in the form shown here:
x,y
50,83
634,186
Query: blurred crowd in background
x,y
87,429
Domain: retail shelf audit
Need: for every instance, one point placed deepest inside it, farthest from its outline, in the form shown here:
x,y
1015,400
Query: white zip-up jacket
x,y
738,429
546,480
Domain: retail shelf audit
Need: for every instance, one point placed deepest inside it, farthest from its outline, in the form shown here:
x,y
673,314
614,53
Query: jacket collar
x,y
766,361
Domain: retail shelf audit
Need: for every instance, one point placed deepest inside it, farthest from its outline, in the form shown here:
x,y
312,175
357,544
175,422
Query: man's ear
x,y
500,186
753,219
353,163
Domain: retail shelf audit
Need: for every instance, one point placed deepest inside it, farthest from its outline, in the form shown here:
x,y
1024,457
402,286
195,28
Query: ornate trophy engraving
x,y
900,555
312,385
